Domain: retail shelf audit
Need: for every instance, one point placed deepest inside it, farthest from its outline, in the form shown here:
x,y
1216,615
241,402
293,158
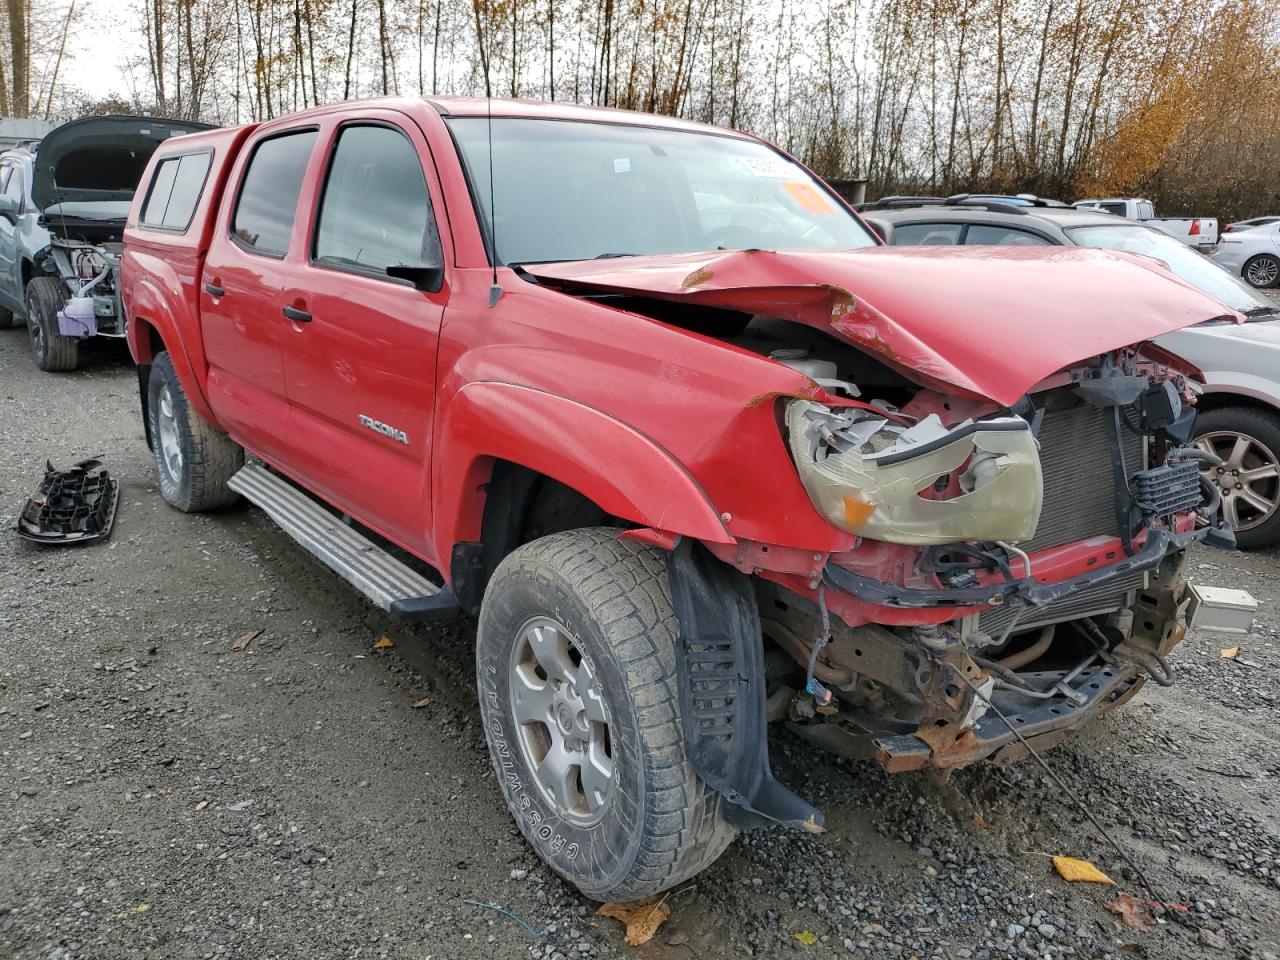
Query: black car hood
x,y
99,158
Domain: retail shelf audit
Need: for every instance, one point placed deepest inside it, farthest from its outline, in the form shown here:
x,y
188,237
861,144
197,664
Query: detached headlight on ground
x,y
867,475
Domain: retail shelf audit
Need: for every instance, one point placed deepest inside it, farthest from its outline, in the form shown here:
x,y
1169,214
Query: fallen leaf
x,y
239,643
1229,653
1133,913
980,821
1079,871
384,643
642,917
807,938
140,908
419,704
201,805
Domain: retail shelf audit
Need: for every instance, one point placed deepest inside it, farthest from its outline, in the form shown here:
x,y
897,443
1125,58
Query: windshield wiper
x,y
612,256
1258,312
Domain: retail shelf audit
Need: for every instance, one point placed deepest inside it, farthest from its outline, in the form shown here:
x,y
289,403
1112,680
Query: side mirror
x,y
426,277
9,208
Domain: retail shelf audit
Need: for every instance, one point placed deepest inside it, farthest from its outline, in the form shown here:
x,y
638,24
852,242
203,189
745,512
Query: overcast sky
x,y
100,45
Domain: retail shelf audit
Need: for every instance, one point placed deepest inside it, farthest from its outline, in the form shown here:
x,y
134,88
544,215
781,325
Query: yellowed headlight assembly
x,y
865,473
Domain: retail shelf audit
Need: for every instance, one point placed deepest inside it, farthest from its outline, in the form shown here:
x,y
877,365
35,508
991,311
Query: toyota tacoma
x,y
650,402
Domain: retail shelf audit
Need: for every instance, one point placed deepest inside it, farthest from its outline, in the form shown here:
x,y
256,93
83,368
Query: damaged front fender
x,y
867,475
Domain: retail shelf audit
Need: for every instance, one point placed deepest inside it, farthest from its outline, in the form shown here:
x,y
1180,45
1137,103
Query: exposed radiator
x,y
1079,493
1079,502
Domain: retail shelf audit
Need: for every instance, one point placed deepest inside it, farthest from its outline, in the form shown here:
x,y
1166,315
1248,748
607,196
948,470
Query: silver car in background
x,y
1253,254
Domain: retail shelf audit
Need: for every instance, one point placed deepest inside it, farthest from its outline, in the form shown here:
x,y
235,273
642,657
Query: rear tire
x,y
51,350
194,460
576,659
1262,271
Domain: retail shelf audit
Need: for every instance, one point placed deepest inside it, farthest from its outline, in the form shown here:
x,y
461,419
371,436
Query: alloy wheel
x,y
169,437
1262,271
1249,479
558,706
35,330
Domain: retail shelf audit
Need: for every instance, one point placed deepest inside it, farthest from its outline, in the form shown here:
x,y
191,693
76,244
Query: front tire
x,y
51,350
576,670
1248,440
1262,271
194,460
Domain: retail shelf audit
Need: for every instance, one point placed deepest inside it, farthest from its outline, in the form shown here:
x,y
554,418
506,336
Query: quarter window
x,y
175,191
927,234
269,194
376,211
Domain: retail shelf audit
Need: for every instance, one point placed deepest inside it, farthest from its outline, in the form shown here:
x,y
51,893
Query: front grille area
x,y
1079,502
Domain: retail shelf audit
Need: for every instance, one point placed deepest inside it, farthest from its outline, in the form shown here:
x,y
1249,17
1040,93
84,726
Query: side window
x,y
12,182
376,211
269,193
926,234
175,191
1116,208
984,235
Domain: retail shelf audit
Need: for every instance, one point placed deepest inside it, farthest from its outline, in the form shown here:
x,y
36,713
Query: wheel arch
x,y
153,329
510,448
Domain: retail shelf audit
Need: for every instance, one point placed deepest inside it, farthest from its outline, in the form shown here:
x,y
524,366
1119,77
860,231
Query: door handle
x,y
296,315
214,290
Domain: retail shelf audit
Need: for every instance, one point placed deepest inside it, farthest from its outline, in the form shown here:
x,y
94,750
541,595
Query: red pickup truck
x,y
651,402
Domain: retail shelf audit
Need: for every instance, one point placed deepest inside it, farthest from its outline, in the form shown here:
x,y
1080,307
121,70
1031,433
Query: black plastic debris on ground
x,y
71,506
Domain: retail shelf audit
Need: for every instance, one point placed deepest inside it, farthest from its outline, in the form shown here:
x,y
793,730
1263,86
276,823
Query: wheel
x,y
1262,270
575,665
1248,440
52,351
194,460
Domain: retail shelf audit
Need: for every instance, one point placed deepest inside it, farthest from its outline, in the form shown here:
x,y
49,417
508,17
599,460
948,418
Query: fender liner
x,y
720,668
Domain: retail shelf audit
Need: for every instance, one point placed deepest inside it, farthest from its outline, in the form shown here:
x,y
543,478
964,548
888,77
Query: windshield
x,y
570,190
1187,264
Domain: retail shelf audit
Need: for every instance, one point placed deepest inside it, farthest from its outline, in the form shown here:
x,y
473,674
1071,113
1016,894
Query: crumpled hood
x,y
989,322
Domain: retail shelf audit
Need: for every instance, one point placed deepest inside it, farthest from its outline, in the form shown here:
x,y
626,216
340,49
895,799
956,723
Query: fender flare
x,y
148,309
570,442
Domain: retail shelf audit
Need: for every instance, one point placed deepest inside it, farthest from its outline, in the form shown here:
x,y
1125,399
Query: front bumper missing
x,y
1042,723
1157,545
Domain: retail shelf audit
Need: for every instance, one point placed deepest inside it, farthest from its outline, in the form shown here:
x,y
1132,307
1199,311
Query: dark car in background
x,y
1239,415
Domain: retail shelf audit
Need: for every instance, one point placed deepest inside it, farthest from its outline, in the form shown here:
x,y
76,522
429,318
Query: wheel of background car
x,y
194,460
7,319
1248,441
575,667
1262,270
51,350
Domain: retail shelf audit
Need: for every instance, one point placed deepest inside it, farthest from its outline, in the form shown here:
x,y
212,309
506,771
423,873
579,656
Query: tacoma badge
x,y
377,426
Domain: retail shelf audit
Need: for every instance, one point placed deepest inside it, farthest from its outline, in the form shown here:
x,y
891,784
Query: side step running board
x,y
396,588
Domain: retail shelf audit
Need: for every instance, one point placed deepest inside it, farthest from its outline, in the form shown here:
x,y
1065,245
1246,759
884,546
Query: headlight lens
x,y
865,474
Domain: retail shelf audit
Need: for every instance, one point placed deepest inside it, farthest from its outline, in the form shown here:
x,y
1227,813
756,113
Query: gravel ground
x,y
163,796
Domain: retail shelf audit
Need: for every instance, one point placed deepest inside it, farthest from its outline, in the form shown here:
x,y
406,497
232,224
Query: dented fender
x,y
568,441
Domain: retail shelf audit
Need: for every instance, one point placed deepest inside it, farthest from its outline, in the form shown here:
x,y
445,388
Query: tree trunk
x,y
351,50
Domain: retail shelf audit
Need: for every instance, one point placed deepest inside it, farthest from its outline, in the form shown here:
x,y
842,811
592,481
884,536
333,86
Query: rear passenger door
x,y
252,264
361,366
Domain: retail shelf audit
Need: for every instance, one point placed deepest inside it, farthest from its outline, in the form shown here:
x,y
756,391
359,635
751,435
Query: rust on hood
x,y
987,322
